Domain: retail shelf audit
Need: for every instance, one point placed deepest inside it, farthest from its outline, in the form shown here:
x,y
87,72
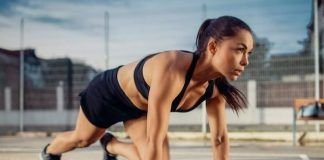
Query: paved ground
x,y
19,148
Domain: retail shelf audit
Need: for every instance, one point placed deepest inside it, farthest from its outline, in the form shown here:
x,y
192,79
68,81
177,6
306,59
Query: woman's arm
x,y
218,127
163,90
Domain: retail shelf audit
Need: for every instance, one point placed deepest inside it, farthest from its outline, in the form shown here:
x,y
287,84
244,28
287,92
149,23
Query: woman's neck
x,y
204,71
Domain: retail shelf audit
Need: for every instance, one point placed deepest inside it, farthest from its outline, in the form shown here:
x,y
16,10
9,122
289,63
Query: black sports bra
x,y
144,88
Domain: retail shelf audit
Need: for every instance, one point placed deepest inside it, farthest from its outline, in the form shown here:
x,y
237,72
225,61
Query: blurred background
x,y
50,50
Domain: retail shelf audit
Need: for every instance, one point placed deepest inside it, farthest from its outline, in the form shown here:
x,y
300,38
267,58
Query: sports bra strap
x,y
189,74
140,82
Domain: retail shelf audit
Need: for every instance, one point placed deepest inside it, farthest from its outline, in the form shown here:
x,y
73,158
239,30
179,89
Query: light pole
x,y
316,59
21,90
203,110
107,38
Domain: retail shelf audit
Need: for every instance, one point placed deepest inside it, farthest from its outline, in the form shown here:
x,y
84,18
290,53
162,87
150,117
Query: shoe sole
x,y
40,156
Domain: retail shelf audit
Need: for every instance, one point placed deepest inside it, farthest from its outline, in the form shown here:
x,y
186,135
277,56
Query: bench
x,y
298,104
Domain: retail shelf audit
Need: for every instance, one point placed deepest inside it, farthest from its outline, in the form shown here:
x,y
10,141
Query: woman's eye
x,y
240,50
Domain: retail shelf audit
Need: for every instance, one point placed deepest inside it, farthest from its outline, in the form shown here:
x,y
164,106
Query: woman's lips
x,y
238,71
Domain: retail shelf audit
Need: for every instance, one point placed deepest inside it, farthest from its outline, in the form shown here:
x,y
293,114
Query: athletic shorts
x,y
104,103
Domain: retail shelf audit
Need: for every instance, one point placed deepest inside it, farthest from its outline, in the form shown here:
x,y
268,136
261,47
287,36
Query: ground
x,y
28,148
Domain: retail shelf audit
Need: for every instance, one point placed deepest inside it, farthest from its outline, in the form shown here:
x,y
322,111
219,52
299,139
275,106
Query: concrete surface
x,y
28,146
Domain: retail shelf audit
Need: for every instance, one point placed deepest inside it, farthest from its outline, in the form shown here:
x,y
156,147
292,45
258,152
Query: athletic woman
x,y
143,93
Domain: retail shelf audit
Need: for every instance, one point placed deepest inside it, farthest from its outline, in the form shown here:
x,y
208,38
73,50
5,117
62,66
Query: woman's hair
x,y
225,26
233,96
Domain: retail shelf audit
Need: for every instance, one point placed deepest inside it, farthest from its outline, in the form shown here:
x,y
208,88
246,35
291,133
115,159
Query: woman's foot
x,y
104,140
47,156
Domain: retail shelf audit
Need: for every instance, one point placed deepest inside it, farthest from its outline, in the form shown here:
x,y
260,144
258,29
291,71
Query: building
x,y
41,79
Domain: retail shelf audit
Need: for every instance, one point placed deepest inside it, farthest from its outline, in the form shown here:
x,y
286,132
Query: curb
x,y
234,136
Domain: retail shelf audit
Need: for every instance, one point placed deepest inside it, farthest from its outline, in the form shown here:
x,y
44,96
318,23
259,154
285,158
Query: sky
x,y
76,28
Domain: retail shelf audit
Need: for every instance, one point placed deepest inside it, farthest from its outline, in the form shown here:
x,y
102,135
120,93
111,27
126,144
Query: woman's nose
x,y
244,60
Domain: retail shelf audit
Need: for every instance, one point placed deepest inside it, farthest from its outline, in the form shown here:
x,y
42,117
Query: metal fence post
x,y
252,99
294,127
7,99
204,120
60,97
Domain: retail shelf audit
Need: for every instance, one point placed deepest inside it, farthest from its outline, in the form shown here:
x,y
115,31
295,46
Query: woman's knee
x,y
83,141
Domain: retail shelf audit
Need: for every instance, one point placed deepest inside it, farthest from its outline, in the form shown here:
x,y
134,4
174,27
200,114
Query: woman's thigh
x,y
85,130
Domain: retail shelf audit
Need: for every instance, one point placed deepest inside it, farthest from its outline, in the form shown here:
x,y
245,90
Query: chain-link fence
x,y
51,86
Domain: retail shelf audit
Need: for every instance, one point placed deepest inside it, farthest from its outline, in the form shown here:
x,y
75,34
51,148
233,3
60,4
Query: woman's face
x,y
232,54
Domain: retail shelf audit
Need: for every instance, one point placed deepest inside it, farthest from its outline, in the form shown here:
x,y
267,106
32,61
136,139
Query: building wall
x,y
41,79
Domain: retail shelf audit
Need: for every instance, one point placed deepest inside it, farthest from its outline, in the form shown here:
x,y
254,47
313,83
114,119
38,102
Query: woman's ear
x,y
212,46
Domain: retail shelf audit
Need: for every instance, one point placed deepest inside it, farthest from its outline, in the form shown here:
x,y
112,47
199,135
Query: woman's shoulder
x,y
174,53
175,58
169,63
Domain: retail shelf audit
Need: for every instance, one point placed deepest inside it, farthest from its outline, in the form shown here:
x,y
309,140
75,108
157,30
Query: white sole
x,y
40,156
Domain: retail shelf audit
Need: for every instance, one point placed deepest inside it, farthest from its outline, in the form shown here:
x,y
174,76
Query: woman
x,y
142,94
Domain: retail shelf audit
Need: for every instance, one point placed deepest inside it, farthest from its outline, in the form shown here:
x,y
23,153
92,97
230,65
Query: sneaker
x,y
47,156
104,140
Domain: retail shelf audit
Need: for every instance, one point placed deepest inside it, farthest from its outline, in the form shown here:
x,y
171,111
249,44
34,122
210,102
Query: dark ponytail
x,y
233,96
200,35
219,28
